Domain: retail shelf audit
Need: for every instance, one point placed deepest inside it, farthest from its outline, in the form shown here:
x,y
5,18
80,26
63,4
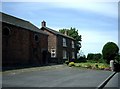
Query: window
x,y
64,42
73,46
64,54
73,55
6,31
36,37
53,53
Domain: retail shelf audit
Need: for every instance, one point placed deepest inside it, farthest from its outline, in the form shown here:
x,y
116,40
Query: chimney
x,y
65,32
43,23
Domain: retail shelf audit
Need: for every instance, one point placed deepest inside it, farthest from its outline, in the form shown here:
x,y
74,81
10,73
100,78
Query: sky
x,y
96,21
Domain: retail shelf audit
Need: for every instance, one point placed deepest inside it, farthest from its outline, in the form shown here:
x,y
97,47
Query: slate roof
x,y
20,23
57,33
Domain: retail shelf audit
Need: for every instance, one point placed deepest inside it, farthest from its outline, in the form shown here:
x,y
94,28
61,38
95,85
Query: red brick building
x,y
60,46
22,42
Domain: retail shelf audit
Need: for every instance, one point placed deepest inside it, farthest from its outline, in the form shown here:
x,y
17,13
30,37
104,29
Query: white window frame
x,y
53,51
73,55
73,44
64,54
64,42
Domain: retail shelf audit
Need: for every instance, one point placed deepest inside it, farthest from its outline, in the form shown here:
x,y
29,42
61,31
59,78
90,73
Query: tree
x,y
110,51
90,56
72,32
95,57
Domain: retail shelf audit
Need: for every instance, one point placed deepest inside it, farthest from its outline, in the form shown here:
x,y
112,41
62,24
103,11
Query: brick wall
x,y
15,47
51,40
52,43
44,48
60,47
20,47
56,41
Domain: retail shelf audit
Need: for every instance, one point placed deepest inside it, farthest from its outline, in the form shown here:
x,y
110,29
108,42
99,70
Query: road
x,y
57,76
114,82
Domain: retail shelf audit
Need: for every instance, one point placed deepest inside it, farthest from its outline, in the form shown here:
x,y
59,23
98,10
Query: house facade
x,y
22,42
60,46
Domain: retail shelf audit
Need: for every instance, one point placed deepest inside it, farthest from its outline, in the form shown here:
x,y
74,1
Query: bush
x,y
67,62
88,66
71,64
102,60
81,59
110,51
91,61
117,58
97,66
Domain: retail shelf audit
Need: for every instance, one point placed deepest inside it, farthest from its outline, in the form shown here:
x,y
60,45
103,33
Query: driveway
x,y
54,76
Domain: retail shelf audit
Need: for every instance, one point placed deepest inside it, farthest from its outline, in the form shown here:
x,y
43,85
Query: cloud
x,y
104,8
94,40
95,36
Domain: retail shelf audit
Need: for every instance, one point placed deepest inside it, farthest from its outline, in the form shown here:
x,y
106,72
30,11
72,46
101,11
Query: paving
x,y
54,76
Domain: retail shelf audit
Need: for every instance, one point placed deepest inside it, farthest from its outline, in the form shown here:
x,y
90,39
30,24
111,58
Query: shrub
x,y
67,62
91,61
77,65
71,64
102,67
96,66
109,51
102,60
88,66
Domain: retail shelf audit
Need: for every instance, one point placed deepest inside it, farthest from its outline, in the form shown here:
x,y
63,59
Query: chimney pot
x,y
65,32
43,23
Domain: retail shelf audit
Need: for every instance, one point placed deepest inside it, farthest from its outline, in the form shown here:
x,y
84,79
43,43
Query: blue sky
x,y
97,22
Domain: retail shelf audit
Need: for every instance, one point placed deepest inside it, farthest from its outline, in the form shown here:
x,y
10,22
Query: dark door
x,y
44,57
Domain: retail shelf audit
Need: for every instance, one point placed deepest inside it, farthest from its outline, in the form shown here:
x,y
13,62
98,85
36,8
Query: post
x,y
112,65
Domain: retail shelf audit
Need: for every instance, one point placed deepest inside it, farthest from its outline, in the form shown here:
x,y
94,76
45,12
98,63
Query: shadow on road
x,y
26,66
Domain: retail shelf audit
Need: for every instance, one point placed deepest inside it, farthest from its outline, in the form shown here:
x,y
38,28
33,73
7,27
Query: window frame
x,y
64,42
53,53
73,55
64,54
38,39
73,44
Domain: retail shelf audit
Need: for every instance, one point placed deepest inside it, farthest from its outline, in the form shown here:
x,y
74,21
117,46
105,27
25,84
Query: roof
x,y
57,33
20,23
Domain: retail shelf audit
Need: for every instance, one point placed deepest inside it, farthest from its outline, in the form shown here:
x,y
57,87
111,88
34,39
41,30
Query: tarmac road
x,y
57,76
114,82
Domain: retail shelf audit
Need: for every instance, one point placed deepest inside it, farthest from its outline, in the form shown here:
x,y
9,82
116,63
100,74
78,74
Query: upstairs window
x,y
73,45
64,42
